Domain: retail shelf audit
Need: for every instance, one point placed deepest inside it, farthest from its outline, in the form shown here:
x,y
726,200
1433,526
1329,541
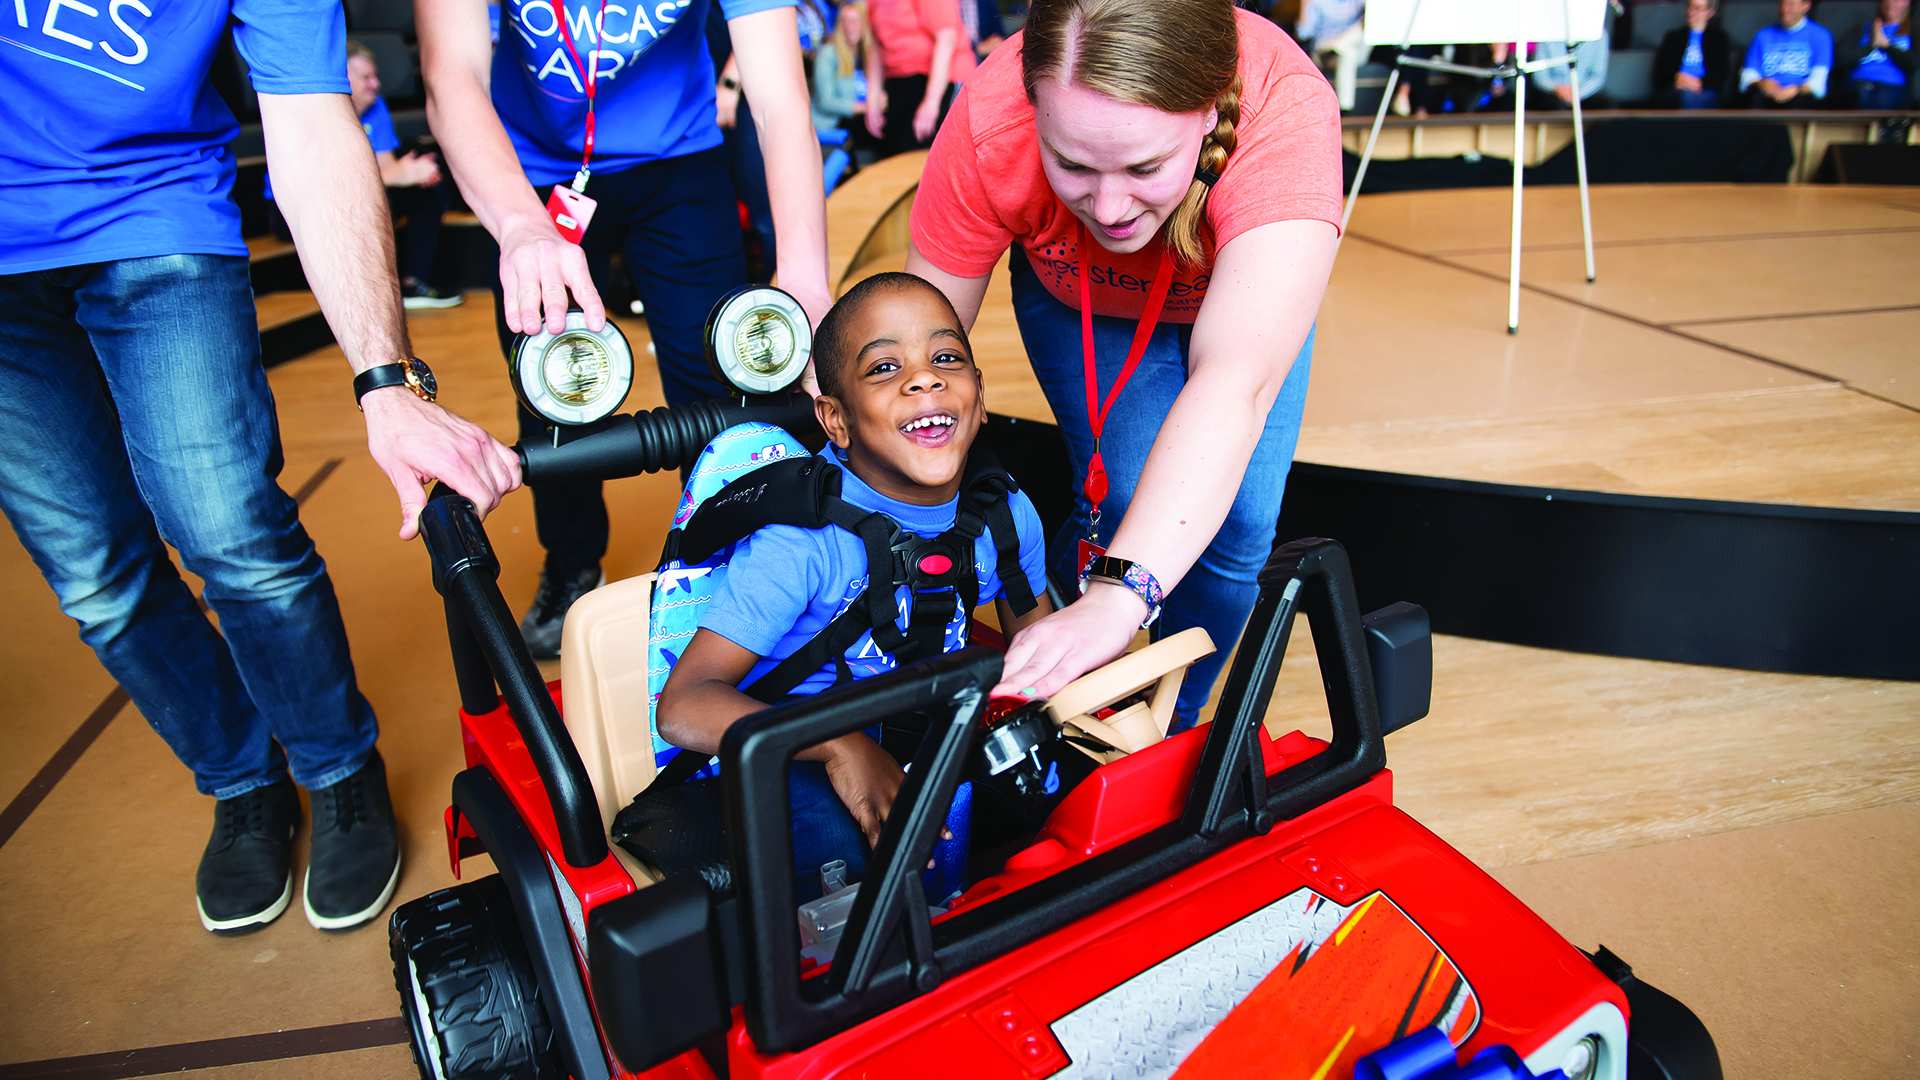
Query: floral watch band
x,y
1128,575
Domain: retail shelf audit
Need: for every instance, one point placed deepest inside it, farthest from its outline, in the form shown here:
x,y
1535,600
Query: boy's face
x,y
911,399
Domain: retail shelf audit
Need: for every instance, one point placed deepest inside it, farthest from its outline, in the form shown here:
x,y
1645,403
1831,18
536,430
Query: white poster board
x,y
1467,22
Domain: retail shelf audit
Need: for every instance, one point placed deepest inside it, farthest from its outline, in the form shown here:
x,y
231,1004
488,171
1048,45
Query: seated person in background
x,y
1335,27
412,180
1690,70
1878,58
901,401
1787,65
985,29
1554,86
839,69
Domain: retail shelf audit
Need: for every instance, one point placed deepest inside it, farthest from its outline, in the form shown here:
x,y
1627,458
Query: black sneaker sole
x,y
346,922
247,924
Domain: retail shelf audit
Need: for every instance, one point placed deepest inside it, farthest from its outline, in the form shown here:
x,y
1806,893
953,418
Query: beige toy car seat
x,y
603,679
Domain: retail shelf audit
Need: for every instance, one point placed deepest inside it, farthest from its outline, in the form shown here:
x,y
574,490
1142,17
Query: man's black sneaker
x,y
355,862
244,881
548,615
418,295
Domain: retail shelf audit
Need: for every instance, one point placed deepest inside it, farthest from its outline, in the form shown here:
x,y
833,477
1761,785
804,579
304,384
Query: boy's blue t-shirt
x,y
1694,61
1876,66
1790,57
116,141
653,98
377,122
785,584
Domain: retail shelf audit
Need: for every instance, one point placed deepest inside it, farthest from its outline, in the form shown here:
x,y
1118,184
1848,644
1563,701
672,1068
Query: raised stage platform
x,y
1747,840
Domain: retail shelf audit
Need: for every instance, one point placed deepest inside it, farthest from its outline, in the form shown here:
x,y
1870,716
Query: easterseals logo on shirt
x,y
652,74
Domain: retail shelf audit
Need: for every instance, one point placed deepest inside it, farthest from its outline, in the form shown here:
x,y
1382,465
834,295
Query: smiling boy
x,y
901,401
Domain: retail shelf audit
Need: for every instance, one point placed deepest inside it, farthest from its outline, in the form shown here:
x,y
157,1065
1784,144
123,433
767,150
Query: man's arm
x,y
329,189
537,264
767,46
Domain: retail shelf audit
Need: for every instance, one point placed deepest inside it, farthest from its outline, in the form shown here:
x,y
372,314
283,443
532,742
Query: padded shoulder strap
x,y
791,491
985,494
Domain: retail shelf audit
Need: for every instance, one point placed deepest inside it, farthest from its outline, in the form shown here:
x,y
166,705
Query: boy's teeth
x,y
927,421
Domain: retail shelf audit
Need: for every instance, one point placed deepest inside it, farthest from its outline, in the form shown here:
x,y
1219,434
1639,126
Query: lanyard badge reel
x,y
569,206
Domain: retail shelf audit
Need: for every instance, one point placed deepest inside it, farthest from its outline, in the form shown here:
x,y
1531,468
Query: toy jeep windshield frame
x,y
667,962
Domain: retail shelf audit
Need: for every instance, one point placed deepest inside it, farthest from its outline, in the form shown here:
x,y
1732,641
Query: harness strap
x,y
829,645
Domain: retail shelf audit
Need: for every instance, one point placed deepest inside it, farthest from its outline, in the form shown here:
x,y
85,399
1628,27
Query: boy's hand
x,y
867,780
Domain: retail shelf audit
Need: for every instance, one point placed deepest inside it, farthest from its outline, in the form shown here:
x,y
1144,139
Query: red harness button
x,y
935,564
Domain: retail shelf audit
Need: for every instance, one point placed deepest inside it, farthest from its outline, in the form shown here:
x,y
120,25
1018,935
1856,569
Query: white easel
x,y
1462,22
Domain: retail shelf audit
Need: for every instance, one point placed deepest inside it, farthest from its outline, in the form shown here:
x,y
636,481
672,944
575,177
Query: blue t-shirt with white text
x,y
785,584
116,142
1694,62
1876,66
653,93
1790,57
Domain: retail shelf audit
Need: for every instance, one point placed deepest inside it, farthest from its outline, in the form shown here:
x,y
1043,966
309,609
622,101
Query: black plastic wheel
x,y
467,991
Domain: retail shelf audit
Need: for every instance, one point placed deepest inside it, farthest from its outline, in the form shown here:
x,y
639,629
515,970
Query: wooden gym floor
x,y
1748,841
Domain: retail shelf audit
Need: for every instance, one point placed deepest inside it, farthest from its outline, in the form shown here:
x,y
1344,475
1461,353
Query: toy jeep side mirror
x,y
1400,648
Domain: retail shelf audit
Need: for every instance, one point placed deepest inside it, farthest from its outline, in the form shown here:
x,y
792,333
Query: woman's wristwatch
x,y
412,373
1128,575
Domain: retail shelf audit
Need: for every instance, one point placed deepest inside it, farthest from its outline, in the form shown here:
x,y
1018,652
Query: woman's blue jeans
x,y
1218,593
135,411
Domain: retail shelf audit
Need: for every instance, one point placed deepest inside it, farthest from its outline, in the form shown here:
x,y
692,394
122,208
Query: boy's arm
x,y
1011,624
702,699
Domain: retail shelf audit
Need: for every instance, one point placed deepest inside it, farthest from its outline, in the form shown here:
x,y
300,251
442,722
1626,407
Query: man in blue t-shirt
x,y
513,122
901,401
1878,59
1787,65
137,409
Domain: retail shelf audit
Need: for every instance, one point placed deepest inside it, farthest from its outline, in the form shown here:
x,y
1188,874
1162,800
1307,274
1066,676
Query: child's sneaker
x,y
355,862
244,881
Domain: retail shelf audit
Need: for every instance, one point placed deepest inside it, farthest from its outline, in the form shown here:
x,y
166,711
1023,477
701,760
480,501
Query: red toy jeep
x,y
1214,903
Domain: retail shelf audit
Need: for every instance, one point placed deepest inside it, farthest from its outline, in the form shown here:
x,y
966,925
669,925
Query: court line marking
x,y
213,1053
1674,330
1794,315
30,797
1660,241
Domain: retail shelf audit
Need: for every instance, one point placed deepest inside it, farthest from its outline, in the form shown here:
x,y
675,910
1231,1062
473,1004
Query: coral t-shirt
x,y
984,188
905,29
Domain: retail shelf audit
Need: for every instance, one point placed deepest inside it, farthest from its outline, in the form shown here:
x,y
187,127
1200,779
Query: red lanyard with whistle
x,y
1096,486
587,73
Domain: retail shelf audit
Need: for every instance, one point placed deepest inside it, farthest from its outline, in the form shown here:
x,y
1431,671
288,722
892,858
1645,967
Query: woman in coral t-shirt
x,y
923,53
1179,135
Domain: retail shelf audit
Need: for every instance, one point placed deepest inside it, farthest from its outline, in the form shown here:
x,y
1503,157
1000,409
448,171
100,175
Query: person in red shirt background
x,y
924,53
1183,157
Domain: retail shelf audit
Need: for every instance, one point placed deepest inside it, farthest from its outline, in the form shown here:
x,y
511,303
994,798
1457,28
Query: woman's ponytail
x,y
1183,225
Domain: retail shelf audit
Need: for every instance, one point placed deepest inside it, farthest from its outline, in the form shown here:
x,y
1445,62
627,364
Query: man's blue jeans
x,y
135,410
1218,593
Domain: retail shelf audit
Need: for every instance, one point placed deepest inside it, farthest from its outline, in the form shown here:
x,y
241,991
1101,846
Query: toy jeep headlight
x,y
759,340
574,377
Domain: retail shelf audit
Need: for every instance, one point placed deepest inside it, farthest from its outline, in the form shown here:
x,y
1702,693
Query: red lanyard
x,y
1096,487
586,153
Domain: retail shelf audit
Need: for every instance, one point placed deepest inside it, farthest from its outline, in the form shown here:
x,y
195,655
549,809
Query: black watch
x,y
412,373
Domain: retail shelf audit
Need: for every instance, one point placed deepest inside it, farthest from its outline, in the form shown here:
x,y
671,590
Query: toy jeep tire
x,y
467,990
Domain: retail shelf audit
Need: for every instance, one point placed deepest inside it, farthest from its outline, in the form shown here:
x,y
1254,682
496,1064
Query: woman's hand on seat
x,y
1067,644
